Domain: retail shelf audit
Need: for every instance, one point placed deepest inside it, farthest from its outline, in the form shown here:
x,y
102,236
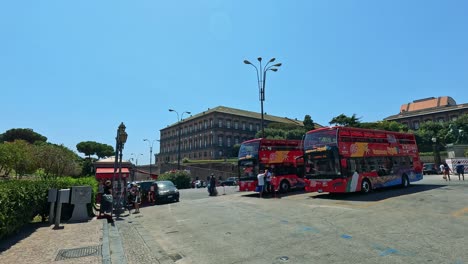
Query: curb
x,y
105,251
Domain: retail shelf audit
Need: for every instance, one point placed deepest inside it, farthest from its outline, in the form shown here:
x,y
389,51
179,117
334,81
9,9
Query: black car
x,y
430,168
167,192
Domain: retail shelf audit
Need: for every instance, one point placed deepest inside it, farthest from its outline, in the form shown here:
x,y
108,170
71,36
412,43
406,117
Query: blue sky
x,y
73,70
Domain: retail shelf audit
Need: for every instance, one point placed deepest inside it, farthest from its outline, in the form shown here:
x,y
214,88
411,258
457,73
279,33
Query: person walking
x,y
268,181
460,168
447,171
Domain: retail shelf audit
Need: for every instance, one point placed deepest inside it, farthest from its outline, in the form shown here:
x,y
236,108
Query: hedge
x,y
22,200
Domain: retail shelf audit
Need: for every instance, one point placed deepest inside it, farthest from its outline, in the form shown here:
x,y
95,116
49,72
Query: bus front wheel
x,y
284,186
365,186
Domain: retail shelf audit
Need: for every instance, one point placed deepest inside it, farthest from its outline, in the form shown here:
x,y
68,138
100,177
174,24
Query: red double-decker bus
x,y
279,156
346,159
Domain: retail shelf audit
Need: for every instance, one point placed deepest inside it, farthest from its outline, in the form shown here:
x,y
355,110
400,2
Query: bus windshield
x,y
323,164
247,168
249,150
320,139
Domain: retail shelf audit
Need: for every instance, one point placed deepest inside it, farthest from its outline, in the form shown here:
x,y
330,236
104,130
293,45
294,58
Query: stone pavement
x,y
96,241
40,243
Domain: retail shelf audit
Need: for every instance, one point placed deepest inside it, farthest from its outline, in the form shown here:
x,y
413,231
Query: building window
x,y
416,124
243,125
200,142
200,126
453,118
250,127
228,123
206,124
220,141
236,125
220,153
211,122
220,123
440,119
228,141
236,140
258,127
190,128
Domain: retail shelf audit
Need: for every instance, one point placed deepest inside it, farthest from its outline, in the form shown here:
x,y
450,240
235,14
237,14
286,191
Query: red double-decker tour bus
x,y
346,159
279,156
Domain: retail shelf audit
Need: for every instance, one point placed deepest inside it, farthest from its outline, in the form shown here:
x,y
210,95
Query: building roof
x,y
244,113
428,103
427,111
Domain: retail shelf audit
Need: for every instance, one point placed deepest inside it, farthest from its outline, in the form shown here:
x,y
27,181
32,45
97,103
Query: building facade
x,y
440,109
212,134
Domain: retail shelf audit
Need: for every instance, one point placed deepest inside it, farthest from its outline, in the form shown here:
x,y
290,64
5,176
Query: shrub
x,y
180,178
22,200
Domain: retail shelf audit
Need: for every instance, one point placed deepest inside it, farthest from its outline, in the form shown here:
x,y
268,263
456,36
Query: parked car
x,y
167,192
430,168
231,181
198,184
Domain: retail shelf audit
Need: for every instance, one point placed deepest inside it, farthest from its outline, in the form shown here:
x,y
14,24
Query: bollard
x,y
52,198
63,197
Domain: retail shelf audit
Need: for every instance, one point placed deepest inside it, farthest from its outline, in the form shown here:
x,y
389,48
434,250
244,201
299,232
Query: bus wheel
x,y
365,186
404,181
284,186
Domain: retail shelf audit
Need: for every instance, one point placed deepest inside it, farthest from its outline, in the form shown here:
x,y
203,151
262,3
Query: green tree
x,y
343,120
88,148
104,150
235,150
21,157
308,123
56,160
25,134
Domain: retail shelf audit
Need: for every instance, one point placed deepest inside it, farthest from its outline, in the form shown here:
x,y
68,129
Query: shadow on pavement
x,y
277,195
25,232
379,194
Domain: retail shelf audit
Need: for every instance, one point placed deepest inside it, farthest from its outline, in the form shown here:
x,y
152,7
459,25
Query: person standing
x,y
460,168
106,202
268,181
212,185
135,191
261,183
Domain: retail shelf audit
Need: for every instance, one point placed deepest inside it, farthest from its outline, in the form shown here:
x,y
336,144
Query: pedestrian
x,y
268,181
212,188
105,210
447,171
460,168
442,170
135,191
261,183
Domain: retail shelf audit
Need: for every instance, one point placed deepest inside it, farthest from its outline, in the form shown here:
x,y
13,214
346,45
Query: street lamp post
x,y
120,139
261,79
178,147
435,148
150,143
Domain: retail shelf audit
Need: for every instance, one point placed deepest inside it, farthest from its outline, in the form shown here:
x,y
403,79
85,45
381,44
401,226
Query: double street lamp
x,y
120,139
150,143
261,79
178,120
